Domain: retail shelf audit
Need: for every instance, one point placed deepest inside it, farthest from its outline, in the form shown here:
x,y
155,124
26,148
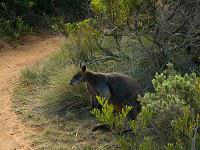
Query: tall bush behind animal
x,y
167,25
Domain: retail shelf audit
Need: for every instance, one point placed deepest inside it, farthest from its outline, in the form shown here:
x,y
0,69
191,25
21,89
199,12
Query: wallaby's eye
x,y
76,76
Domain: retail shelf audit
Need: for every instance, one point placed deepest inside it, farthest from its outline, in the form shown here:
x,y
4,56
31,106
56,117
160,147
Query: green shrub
x,y
184,87
115,13
175,101
106,115
13,28
82,43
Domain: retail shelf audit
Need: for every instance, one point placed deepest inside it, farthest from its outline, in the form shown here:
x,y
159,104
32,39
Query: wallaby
x,y
118,88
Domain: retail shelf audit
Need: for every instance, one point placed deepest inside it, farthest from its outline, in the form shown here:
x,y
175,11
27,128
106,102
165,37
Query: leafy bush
x,y
184,87
106,115
82,39
115,13
173,107
12,29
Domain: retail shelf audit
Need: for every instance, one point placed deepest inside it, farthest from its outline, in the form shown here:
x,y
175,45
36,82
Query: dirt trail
x,y
12,60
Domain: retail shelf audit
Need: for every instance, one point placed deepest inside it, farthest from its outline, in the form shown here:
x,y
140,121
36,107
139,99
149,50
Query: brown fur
x,y
120,89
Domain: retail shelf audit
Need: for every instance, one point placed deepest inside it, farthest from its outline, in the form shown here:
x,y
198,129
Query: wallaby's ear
x,y
83,69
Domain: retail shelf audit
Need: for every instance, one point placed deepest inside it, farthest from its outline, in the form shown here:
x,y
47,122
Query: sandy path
x,y
12,131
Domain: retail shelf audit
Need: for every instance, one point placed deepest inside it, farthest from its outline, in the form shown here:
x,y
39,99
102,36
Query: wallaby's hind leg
x,y
95,104
135,110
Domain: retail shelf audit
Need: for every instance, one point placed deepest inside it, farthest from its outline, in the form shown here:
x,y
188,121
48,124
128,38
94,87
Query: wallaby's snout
x,y
75,81
79,77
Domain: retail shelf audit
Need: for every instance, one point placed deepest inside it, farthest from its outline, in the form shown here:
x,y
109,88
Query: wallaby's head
x,y
78,77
